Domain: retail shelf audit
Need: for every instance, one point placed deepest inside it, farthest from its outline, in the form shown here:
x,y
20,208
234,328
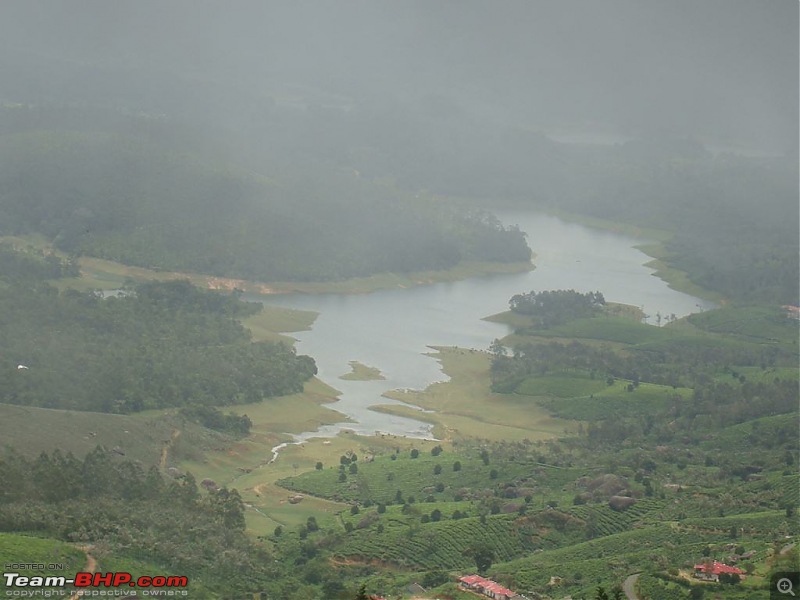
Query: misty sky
x,y
729,67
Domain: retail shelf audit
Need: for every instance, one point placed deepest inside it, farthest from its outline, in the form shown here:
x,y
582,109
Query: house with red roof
x,y
489,588
710,571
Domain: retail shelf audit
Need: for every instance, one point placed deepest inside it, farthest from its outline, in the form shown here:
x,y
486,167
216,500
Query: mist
x,y
413,290
720,70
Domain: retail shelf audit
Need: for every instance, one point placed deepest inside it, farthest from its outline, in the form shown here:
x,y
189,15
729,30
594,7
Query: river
x,y
393,330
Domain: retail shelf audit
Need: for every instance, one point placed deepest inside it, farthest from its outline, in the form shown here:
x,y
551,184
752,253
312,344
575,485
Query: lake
x,y
393,330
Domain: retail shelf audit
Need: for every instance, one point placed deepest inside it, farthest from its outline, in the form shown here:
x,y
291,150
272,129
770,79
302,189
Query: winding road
x,y
629,586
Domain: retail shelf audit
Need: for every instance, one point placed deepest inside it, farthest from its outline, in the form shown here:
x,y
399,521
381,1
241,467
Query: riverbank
x,y
98,273
361,372
465,407
653,245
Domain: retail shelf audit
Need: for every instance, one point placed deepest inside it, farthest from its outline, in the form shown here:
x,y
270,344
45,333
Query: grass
x,y
676,279
619,325
465,407
140,436
611,329
573,394
58,558
361,372
764,324
567,385
272,321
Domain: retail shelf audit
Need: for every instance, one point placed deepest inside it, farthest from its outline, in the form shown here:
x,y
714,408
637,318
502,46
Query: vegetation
x,y
677,423
134,200
547,309
361,372
152,346
117,505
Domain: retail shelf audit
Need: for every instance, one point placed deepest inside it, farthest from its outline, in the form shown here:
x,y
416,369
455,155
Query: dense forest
x,y
153,345
129,192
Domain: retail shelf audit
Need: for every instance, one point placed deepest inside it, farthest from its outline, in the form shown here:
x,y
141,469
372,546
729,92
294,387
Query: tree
x,y
414,453
362,593
318,466
437,470
729,578
434,578
696,593
353,468
483,556
457,466
436,451
436,515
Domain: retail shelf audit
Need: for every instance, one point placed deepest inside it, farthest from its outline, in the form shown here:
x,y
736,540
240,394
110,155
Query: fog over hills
x,y
186,183
722,69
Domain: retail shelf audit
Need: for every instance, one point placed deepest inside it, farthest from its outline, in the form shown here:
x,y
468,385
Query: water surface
x,y
394,329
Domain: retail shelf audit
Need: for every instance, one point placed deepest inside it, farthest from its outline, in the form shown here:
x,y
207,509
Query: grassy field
x,y
763,324
273,321
646,399
141,437
465,407
361,372
58,558
675,278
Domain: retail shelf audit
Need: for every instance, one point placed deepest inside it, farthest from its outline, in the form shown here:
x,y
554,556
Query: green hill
x,y
131,198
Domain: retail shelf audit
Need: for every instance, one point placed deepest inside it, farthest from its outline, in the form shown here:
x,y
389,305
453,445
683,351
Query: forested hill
x,y
129,198
158,345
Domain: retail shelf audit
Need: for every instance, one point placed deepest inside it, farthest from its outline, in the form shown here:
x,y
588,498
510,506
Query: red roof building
x,y
713,570
487,587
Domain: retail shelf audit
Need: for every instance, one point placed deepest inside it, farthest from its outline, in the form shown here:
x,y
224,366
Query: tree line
x,y
136,199
155,345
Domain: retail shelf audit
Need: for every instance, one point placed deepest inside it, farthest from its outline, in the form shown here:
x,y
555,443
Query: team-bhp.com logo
x,y
112,584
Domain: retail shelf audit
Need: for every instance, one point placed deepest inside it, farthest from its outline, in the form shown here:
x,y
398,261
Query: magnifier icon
x,y
785,586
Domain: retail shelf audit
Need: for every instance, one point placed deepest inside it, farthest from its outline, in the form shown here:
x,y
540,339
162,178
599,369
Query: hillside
x,y
133,197
702,466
